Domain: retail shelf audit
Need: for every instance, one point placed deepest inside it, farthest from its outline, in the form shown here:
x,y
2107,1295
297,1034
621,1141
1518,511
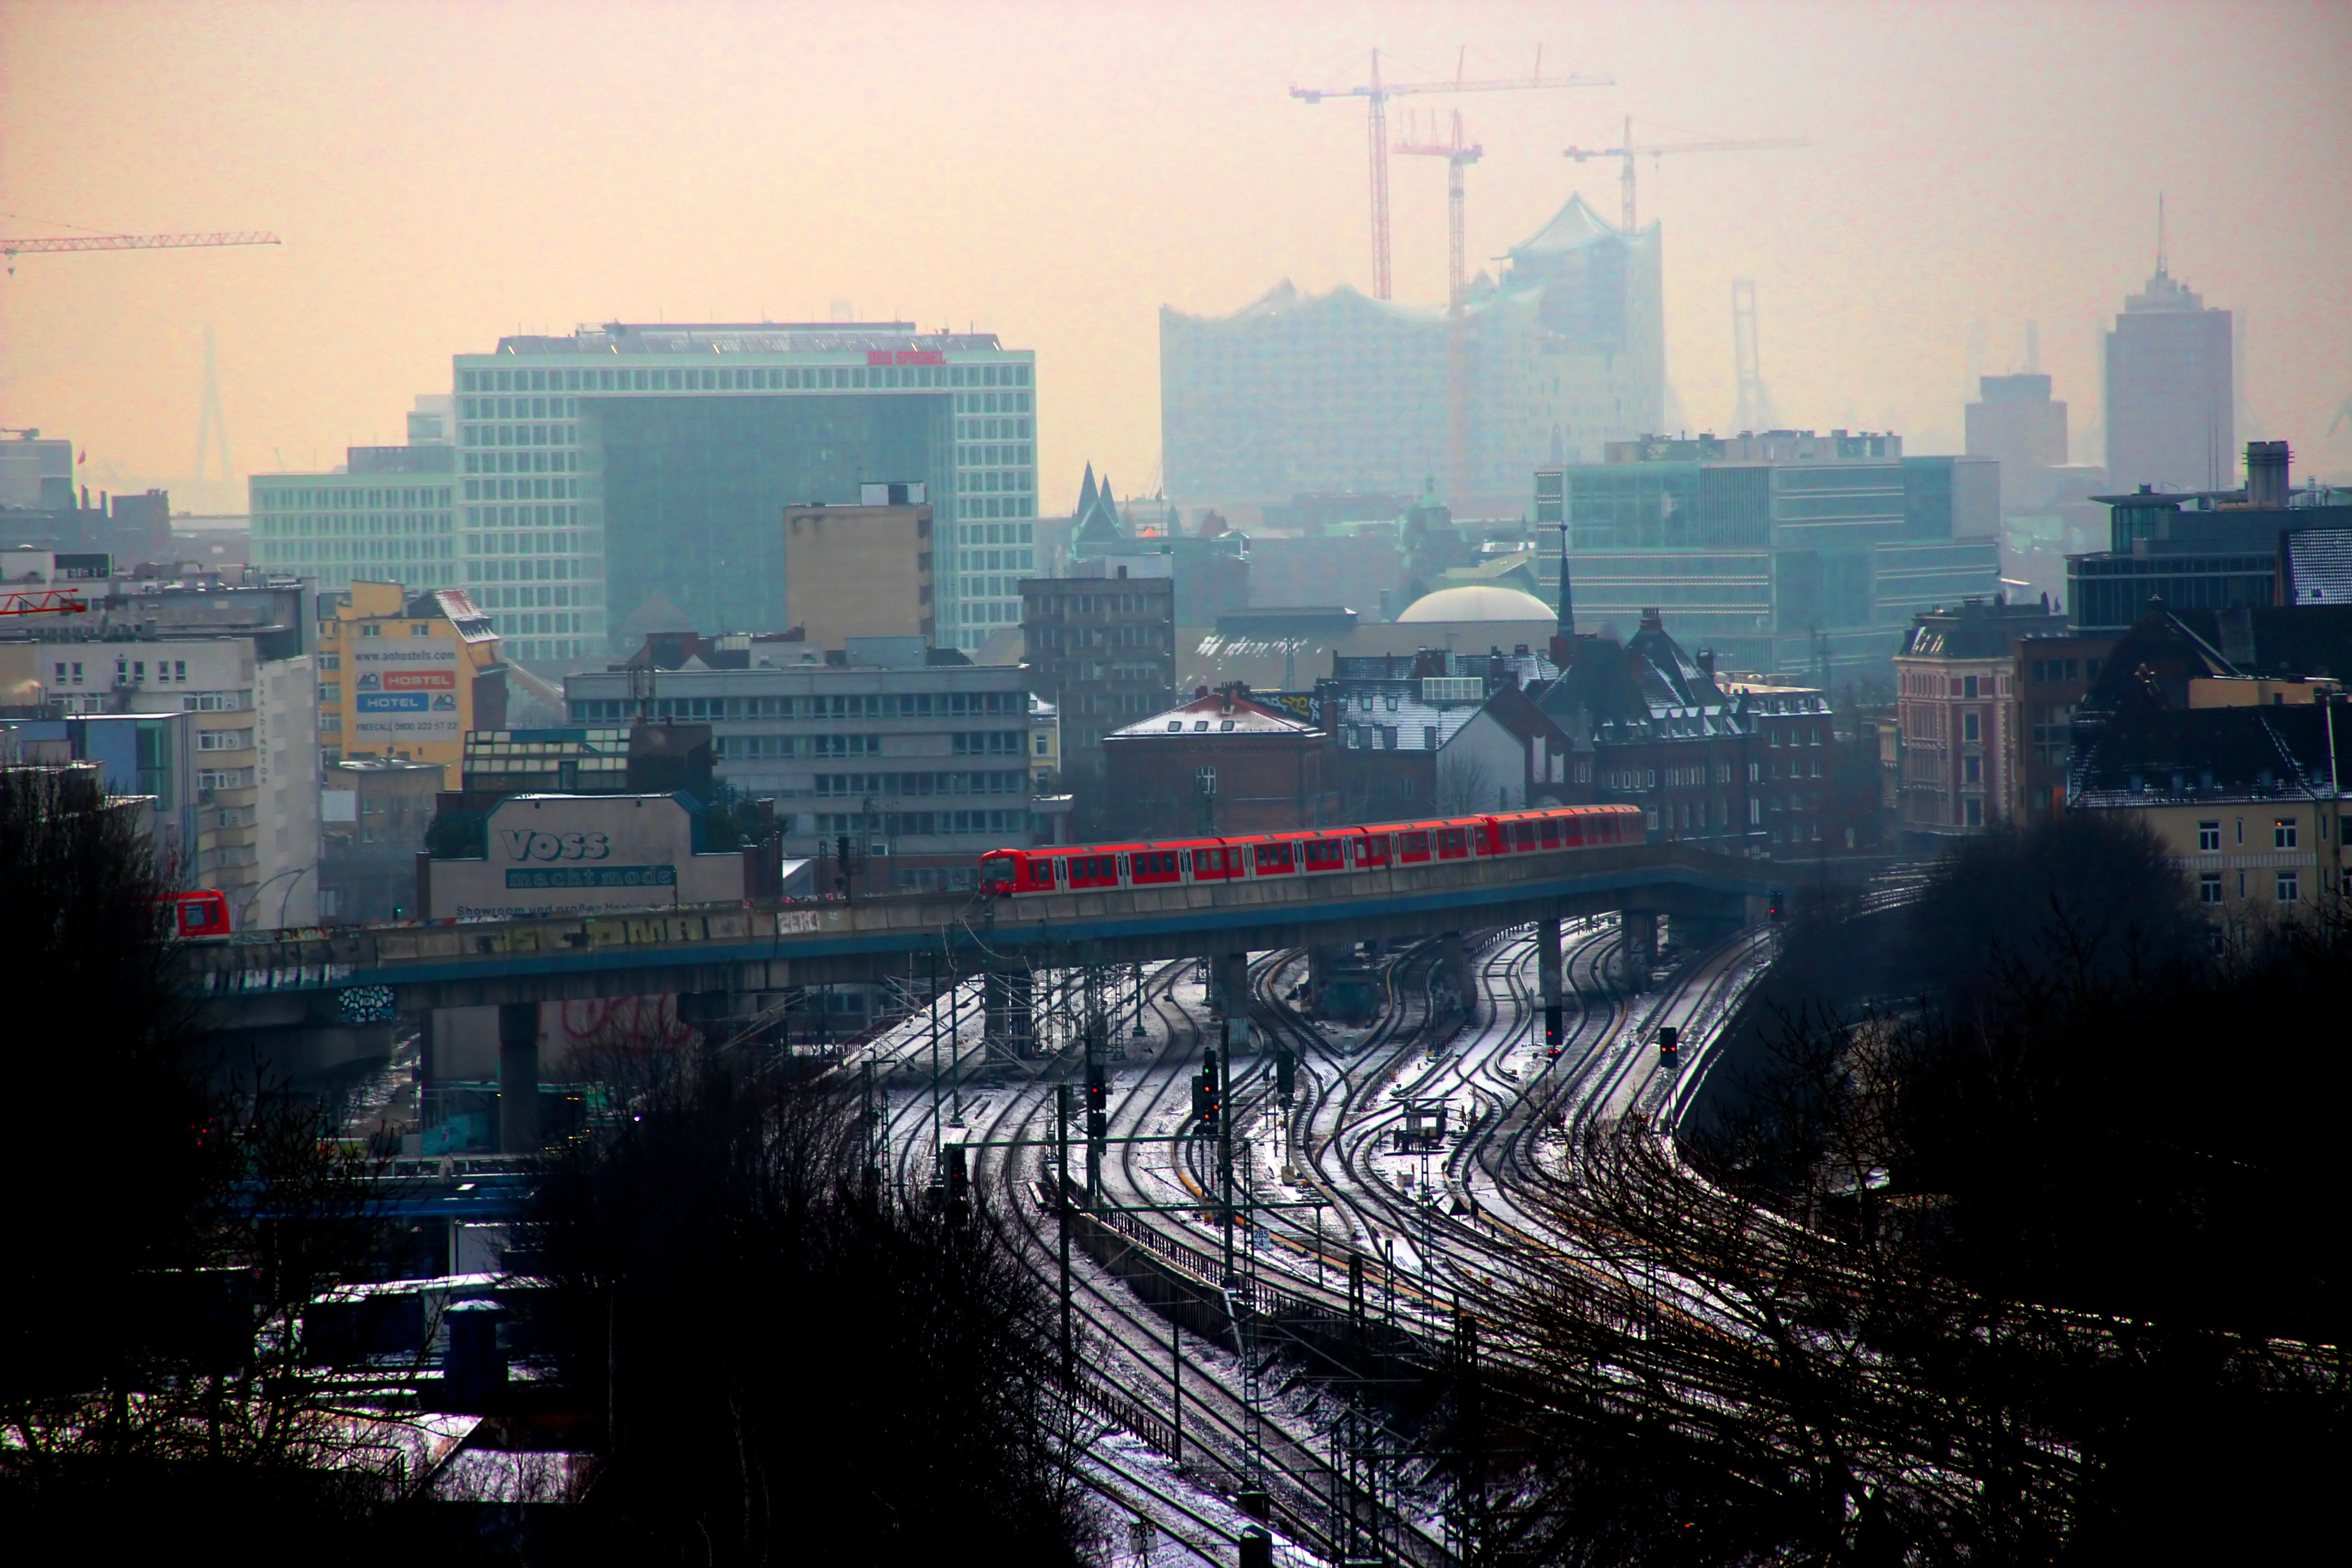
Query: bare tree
x,y
1994,1276
794,1364
1465,784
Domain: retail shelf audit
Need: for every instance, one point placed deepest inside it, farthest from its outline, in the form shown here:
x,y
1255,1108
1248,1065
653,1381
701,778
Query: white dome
x,y
1478,603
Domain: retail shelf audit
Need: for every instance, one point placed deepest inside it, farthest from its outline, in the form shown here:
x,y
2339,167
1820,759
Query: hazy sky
x,y
444,174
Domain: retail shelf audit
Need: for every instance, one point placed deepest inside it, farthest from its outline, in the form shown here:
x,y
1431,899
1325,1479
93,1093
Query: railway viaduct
x,y
307,1001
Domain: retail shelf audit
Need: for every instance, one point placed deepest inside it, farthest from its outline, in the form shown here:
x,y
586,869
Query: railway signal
x,y
1554,1033
1205,1095
1669,1044
958,1175
1285,1075
1772,904
1098,1102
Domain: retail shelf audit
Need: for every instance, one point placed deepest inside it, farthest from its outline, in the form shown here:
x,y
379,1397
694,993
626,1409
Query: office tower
x,y
2170,414
644,471
2016,423
1786,551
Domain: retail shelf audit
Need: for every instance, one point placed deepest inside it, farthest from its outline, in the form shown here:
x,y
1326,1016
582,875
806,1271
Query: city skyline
x,y
814,162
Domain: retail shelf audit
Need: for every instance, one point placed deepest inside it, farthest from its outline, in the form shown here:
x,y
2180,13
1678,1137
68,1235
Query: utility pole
x,y
1062,1212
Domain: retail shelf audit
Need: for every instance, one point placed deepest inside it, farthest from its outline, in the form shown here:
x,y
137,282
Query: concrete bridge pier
x,y
1548,981
519,1078
1456,958
1640,953
1234,993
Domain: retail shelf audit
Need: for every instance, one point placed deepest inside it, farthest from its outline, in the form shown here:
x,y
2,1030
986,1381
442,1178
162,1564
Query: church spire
x,y
1567,594
1086,491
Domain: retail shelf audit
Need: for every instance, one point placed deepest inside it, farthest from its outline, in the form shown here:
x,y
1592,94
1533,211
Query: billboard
x,y
404,690
574,854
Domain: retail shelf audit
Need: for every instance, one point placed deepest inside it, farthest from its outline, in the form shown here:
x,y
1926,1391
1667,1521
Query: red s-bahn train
x,y
196,914
1085,868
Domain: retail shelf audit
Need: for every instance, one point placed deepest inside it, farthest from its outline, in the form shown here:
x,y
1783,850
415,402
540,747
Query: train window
x,y
1412,843
1552,833
1523,835
1274,857
1325,854
1450,841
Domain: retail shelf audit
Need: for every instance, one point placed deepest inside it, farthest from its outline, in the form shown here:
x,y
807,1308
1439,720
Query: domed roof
x,y
1478,603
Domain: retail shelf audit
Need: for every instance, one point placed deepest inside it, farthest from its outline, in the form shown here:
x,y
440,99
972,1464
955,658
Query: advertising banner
x,y
403,689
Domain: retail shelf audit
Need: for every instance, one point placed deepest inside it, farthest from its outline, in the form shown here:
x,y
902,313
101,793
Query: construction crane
x,y
12,249
1459,154
1627,150
45,602
1375,101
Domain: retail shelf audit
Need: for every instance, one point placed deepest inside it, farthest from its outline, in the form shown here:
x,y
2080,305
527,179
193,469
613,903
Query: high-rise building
x,y
860,571
2016,423
389,513
2170,410
1786,551
1298,393
632,479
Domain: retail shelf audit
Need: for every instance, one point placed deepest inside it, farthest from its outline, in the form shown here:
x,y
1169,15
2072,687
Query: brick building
x,y
1956,696
1217,763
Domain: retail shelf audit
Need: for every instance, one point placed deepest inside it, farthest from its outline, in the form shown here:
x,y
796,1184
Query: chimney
x,y
1707,662
2267,474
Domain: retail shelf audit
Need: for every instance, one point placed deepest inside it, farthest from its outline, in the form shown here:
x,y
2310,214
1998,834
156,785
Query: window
x,y
1968,688
1975,813
2288,886
2282,834
1969,723
1972,770
2208,888
2208,842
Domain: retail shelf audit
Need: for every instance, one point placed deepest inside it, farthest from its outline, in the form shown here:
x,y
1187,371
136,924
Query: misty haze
x,y
1179,783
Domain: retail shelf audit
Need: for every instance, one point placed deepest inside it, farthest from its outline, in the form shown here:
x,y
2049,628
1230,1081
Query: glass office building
x,y
633,478
1785,551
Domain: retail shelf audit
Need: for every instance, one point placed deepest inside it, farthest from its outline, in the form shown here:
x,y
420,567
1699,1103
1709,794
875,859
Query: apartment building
x,y
1956,696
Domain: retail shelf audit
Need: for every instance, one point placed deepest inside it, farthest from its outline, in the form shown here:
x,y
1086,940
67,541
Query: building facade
x,y
390,516
1102,650
649,465
860,571
2207,550
374,814
1784,551
2017,424
1298,394
1217,763
1956,698
234,653
2055,670
407,675
923,763
2171,408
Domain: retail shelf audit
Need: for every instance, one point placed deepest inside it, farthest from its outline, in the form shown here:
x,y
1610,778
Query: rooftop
x,y
1227,713
754,337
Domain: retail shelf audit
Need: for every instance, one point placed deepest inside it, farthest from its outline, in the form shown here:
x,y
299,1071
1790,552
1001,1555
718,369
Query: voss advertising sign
x,y
405,691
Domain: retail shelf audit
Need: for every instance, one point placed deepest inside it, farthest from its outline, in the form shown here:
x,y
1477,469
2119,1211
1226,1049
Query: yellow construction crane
x,y
1627,150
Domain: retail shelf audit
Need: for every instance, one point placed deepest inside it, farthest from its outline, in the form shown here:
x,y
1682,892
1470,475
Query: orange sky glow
x,y
444,174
